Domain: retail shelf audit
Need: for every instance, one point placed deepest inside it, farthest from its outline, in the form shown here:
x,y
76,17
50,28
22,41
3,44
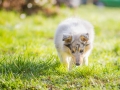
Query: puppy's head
x,y
76,45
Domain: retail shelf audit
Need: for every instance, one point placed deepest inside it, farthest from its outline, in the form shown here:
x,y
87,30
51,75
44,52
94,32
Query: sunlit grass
x,y
28,59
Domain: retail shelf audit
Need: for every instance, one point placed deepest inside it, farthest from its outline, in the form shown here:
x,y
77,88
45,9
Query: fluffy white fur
x,y
74,26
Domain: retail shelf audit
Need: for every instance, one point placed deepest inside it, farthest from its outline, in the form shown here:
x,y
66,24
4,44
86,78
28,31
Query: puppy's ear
x,y
67,37
84,37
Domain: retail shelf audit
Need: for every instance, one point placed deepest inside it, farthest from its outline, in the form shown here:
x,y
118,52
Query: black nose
x,y
77,64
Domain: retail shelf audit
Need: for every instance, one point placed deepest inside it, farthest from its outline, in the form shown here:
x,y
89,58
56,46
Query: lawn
x,y
29,61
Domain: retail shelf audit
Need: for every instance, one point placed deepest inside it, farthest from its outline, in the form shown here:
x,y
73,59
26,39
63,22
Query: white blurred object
x,y
29,5
23,16
75,3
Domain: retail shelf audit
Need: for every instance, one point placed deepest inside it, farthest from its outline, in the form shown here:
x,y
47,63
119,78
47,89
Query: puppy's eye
x,y
67,45
81,51
87,44
73,51
83,44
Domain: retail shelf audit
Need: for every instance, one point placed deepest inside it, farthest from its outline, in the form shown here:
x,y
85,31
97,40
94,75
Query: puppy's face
x,y
76,45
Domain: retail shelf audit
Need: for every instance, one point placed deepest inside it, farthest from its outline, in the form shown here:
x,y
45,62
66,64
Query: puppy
x,y
74,41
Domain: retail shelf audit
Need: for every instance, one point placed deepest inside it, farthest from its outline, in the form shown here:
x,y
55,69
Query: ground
x,y
29,61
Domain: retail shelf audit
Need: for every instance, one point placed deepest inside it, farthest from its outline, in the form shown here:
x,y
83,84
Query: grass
x,y
29,61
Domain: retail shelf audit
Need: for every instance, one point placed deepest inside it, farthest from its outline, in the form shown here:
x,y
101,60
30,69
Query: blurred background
x,y
22,21
33,6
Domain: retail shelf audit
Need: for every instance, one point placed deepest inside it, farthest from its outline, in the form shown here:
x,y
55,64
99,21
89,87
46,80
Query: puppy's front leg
x,y
86,61
70,63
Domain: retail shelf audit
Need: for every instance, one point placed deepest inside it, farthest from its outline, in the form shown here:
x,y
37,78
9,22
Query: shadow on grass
x,y
34,66
30,66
